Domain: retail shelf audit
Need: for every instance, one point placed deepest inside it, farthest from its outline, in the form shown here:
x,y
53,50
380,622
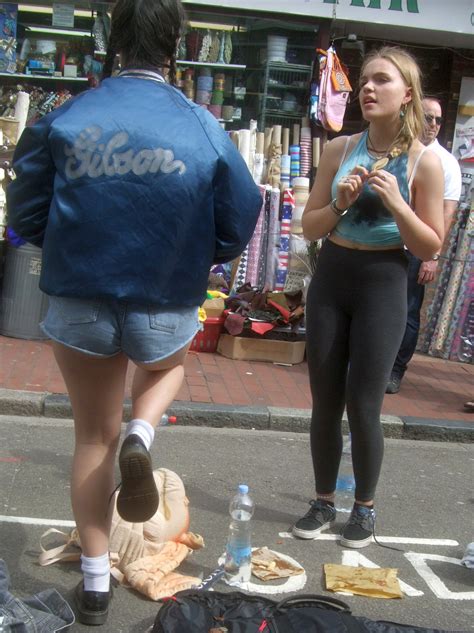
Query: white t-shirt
x,y
452,172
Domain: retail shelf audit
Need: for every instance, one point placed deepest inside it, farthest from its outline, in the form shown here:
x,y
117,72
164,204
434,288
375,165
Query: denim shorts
x,y
104,328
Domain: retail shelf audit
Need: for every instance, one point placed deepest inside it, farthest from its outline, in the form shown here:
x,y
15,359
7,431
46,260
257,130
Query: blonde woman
x,y
375,193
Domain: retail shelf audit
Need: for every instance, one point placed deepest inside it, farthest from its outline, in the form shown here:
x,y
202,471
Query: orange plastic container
x,y
206,341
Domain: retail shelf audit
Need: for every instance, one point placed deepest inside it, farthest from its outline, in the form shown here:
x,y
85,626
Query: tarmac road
x,y
425,493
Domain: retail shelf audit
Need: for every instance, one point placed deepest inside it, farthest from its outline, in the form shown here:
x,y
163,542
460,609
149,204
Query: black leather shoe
x,y
393,385
137,500
92,606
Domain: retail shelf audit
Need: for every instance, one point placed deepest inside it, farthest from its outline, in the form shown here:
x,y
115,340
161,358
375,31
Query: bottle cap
x,y
172,419
243,489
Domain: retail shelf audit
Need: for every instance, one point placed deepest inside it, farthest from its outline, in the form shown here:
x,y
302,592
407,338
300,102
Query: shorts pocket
x,y
76,311
163,321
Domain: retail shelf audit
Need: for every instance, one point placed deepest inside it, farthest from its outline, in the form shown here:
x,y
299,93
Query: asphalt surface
x,y
425,493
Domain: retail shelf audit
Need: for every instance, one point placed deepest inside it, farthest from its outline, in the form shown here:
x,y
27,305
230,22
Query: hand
x,y
349,187
386,185
427,272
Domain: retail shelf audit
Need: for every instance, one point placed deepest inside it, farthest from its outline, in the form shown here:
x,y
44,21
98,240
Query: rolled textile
x,y
244,145
295,162
305,158
273,238
285,231
262,260
285,141
285,171
216,110
255,244
21,111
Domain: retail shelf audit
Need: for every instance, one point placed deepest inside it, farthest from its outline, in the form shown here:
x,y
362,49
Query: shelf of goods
x,y
25,77
283,89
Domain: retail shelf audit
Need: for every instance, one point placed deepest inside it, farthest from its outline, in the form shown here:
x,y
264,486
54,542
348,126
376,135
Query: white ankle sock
x,y
143,429
96,571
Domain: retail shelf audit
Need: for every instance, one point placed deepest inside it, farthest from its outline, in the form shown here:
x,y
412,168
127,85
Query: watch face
x,y
435,258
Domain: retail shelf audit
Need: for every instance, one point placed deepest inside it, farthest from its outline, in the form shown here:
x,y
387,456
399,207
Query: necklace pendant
x,y
380,163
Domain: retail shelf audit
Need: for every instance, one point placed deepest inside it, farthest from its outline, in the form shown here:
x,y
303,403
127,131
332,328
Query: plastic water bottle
x,y
238,553
167,419
345,485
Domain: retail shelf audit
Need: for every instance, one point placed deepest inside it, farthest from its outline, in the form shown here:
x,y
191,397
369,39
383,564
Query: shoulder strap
x,y
415,167
346,147
55,554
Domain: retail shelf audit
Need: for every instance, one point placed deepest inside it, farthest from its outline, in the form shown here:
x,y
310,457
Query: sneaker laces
x,y
376,541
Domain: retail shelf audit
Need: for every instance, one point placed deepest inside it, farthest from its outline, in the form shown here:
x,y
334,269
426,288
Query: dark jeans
x,y
356,315
415,296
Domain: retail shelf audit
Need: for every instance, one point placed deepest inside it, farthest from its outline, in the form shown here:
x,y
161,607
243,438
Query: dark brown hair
x,y
146,34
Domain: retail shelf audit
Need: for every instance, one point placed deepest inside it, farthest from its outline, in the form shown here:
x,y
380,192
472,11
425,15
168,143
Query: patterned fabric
x,y
273,238
449,329
262,264
285,232
255,244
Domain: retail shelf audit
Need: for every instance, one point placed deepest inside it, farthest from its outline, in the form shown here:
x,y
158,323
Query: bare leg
x,y
155,386
96,389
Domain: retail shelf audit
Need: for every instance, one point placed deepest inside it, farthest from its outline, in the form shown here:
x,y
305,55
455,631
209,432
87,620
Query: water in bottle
x,y
238,553
345,485
167,419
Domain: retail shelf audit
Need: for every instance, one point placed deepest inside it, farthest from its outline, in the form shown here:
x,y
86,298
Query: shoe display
x,y
92,606
359,530
137,500
318,518
393,385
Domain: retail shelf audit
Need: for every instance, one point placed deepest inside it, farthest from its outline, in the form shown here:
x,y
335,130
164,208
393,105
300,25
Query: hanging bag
x,y
334,91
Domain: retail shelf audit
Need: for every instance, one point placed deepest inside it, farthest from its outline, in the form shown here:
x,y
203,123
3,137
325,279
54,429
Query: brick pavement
x,y
433,388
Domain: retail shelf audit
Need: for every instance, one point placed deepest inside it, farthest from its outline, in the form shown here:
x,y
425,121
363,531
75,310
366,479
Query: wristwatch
x,y
435,257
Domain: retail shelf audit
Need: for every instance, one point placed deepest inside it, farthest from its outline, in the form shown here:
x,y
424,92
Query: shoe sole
x,y
138,499
311,534
90,618
357,544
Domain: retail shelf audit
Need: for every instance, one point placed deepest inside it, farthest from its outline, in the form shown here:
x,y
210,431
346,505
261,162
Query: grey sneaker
x,y
318,518
359,530
393,385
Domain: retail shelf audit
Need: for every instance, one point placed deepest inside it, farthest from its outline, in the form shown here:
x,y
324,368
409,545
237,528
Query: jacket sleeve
x,y
237,204
29,195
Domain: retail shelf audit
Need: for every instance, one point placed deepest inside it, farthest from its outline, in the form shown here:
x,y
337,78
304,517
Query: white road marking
x,y
435,583
356,559
385,539
33,521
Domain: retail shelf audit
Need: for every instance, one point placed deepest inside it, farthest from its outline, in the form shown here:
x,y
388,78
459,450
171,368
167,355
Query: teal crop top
x,y
368,221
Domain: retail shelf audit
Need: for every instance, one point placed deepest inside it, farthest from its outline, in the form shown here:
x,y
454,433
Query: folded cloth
x,y
373,583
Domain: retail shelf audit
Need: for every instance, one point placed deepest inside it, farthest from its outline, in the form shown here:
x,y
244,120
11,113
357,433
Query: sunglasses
x,y
429,118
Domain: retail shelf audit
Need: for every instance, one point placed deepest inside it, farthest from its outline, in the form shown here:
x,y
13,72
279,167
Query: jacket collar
x,y
141,73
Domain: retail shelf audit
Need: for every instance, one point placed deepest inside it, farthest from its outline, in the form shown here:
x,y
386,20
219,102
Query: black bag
x,y
193,611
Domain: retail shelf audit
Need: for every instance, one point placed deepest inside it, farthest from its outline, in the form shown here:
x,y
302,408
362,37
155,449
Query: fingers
x,y
361,171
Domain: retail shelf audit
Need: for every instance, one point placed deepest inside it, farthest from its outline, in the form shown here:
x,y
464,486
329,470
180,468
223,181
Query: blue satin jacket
x,y
133,192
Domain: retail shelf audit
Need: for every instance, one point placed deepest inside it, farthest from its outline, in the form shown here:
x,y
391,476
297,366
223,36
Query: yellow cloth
x,y
372,583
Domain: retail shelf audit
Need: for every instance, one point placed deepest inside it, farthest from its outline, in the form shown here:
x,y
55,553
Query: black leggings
x,y
356,317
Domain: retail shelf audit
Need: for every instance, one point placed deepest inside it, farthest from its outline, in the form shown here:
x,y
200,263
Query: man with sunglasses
x,y
421,273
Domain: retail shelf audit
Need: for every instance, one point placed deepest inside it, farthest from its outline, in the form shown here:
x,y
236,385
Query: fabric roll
x,y
262,264
255,244
306,151
285,171
241,273
21,111
244,145
285,231
441,336
258,165
203,97
205,83
295,161
273,238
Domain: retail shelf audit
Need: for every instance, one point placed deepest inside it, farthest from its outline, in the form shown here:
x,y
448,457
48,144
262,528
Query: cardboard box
x,y
214,307
241,348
